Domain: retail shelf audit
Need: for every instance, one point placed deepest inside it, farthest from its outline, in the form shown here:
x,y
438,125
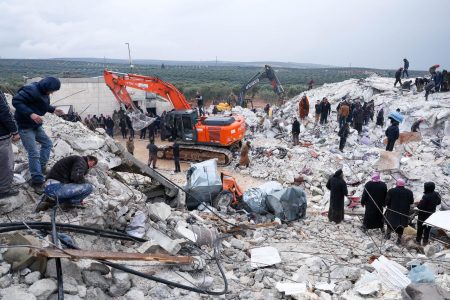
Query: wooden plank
x,y
89,254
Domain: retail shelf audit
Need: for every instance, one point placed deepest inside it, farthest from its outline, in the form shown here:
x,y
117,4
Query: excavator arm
x,y
118,82
268,73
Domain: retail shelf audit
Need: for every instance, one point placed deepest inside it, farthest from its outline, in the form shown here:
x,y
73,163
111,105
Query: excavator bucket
x,y
139,120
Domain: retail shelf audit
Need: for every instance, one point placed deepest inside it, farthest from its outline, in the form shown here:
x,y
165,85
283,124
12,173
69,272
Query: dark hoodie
x,y
430,200
34,98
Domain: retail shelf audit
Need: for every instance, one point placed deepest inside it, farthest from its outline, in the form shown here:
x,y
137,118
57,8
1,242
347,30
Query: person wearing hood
x,y
374,199
295,131
338,190
398,203
427,206
109,123
32,102
325,110
343,134
380,117
318,111
392,134
398,77
303,108
405,68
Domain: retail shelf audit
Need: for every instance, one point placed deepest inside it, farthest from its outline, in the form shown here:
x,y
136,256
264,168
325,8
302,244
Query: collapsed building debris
x,y
134,211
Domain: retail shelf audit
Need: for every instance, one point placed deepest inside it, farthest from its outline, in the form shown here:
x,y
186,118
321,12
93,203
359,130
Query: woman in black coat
x,y
427,207
374,199
338,190
398,202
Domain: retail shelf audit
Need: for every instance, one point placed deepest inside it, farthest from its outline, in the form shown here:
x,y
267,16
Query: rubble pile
x,y
260,258
318,156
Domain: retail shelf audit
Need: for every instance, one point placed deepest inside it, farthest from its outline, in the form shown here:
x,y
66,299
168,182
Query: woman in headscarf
x,y
374,199
338,190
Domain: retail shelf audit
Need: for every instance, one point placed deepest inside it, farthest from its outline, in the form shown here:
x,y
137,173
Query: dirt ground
x,y
167,167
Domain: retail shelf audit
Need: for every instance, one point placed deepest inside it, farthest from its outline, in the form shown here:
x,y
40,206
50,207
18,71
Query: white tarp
x,y
391,274
204,174
440,219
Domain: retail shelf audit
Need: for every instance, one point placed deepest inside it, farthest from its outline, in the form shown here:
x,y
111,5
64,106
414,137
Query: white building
x,y
92,96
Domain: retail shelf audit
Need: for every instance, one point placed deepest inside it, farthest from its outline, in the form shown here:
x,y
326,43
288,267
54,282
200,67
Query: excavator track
x,y
197,153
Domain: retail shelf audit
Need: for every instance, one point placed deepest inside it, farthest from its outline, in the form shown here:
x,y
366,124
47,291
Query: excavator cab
x,y
182,124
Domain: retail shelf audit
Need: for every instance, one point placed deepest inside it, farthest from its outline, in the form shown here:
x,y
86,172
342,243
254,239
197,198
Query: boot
x,y
11,192
44,204
38,187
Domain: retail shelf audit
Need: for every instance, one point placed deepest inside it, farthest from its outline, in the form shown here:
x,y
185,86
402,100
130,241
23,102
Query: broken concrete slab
x,y
159,211
164,241
264,257
389,160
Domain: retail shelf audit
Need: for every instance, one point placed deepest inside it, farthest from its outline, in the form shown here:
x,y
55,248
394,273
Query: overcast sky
x,y
366,33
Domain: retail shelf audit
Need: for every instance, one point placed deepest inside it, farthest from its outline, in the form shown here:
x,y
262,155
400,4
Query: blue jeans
x,y
72,193
37,159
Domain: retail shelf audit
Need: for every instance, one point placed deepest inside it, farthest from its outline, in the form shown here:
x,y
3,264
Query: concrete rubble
x,y
305,259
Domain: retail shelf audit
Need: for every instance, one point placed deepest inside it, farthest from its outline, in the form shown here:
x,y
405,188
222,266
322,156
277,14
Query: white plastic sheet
x,y
139,120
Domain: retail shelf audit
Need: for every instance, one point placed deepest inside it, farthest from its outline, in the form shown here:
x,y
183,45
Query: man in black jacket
x,y
65,181
338,190
325,111
374,199
295,131
32,102
392,134
318,108
8,132
398,203
109,123
398,77
176,156
427,206
405,67
343,134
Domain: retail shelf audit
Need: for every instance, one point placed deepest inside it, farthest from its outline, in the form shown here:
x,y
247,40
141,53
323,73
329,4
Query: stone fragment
x,y
96,293
425,291
159,211
43,288
69,269
9,204
62,149
95,279
32,277
121,283
237,243
4,268
135,294
16,293
164,241
103,269
264,256
6,281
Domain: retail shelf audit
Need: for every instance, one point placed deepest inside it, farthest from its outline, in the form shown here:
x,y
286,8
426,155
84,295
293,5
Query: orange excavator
x,y
200,138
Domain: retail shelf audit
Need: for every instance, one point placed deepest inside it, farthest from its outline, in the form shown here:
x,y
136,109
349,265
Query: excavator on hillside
x,y
200,138
268,73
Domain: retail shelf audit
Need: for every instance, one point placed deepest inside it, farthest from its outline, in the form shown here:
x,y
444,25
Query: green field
x,y
214,82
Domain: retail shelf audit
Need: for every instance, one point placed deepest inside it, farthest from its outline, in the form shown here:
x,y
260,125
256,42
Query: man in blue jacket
x,y
32,102
8,132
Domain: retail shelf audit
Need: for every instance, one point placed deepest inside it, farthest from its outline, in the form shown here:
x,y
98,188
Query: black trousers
x,y
342,143
124,133
390,145
143,133
422,230
177,164
398,80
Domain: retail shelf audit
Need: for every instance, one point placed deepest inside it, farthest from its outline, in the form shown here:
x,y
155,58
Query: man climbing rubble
x,y
398,203
398,77
392,134
427,206
416,125
338,190
8,133
66,184
32,102
374,199
295,131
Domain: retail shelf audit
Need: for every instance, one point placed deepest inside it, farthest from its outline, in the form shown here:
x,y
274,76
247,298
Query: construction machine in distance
x,y
200,138
268,73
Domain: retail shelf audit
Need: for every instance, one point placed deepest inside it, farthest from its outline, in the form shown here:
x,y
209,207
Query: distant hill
x,y
159,62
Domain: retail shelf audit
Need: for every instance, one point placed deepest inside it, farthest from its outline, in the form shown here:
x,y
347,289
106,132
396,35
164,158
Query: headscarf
x,y
400,182
376,176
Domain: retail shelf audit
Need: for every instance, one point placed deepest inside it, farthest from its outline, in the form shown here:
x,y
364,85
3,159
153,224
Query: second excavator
x,y
200,138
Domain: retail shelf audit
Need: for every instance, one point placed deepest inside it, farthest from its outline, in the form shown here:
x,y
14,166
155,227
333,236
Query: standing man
x,y
344,110
123,127
32,102
374,199
102,121
152,154
318,109
303,108
295,131
343,134
398,76
176,156
8,133
392,134
325,110
398,202
427,206
129,125
199,99
405,68
65,182
109,123
338,190
380,117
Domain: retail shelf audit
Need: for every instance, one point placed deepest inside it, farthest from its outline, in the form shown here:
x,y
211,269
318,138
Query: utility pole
x,y
129,57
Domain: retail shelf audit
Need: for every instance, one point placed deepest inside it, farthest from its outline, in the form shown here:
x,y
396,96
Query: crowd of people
x,y
386,207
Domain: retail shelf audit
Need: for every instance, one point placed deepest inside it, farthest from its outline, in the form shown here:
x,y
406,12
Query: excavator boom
x,y
118,82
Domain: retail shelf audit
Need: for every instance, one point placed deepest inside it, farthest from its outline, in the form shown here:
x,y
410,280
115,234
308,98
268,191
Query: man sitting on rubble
x,y
65,182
